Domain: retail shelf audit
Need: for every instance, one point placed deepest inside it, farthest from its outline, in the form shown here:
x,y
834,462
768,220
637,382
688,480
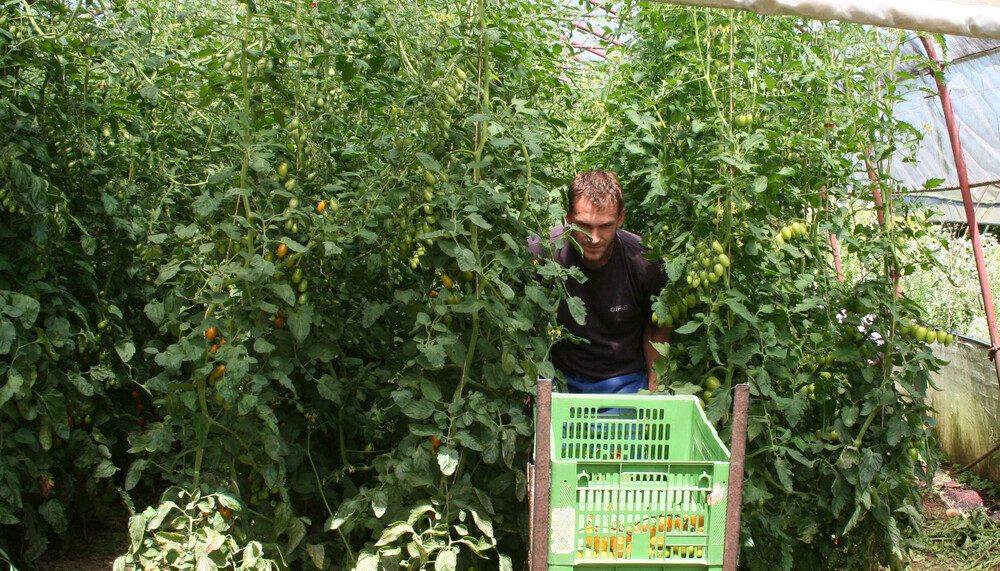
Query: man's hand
x,y
653,334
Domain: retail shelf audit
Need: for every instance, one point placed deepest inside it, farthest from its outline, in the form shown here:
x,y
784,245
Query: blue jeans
x,y
630,383
623,384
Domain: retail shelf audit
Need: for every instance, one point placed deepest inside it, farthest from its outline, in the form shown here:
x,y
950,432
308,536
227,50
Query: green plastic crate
x,y
637,482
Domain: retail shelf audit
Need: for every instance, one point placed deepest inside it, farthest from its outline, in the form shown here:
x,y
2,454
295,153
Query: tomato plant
x,y
836,389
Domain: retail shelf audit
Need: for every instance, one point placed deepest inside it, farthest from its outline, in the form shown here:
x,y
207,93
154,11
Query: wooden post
x,y
737,458
539,541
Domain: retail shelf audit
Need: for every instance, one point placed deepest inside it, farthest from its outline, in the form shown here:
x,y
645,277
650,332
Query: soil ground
x,y
91,549
95,549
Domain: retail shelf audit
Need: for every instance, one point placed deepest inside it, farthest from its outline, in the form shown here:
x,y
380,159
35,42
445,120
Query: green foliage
x,y
297,179
193,531
740,135
947,284
270,257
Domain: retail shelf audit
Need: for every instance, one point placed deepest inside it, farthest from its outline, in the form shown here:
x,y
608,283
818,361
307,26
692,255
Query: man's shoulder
x,y
635,252
632,245
631,240
540,248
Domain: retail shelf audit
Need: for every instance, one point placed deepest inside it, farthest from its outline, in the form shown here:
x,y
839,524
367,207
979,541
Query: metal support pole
x,y
970,210
880,211
833,241
876,192
539,546
737,459
579,25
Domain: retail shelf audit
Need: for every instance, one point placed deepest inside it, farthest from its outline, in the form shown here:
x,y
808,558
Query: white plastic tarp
x,y
973,80
978,19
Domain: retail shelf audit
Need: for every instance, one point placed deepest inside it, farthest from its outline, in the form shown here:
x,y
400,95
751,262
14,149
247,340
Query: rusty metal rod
x,y
970,210
986,455
737,458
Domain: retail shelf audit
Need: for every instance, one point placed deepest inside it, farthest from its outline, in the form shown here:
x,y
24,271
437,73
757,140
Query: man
x,y
616,355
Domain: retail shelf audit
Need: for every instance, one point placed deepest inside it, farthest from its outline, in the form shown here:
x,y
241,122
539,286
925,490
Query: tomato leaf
x,y
367,562
317,554
483,522
380,501
81,384
870,464
418,409
283,291
429,162
155,312
136,530
446,559
689,327
447,458
13,385
23,308
135,472
372,312
8,334
300,322
784,470
394,532
478,220
171,358
125,350
206,204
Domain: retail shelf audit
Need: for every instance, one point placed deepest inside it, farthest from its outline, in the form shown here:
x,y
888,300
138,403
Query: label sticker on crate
x,y
561,540
718,494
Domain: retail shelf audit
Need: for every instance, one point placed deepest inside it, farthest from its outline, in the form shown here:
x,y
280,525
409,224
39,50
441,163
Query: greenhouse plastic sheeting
x,y
980,19
967,405
973,80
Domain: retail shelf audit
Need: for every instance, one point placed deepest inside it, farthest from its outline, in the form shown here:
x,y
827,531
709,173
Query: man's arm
x,y
653,334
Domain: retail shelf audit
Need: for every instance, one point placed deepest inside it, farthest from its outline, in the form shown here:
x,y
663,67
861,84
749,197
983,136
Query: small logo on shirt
x,y
617,308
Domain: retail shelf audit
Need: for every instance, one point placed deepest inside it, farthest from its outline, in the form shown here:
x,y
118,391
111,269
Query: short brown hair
x,y
599,187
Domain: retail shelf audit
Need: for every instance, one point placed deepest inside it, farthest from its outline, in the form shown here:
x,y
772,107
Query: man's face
x,y
601,223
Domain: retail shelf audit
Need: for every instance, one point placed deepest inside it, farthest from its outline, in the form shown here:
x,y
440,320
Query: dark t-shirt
x,y
617,298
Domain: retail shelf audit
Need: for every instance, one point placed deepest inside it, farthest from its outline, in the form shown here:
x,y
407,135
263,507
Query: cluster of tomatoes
x,y
9,203
417,217
446,92
744,120
709,267
925,334
709,386
617,542
216,341
788,232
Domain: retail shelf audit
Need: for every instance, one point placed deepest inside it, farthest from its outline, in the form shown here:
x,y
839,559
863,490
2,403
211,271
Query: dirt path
x,y
91,549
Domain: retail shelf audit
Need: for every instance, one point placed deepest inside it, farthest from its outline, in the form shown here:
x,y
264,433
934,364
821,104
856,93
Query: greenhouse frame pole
x,y
970,211
833,241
